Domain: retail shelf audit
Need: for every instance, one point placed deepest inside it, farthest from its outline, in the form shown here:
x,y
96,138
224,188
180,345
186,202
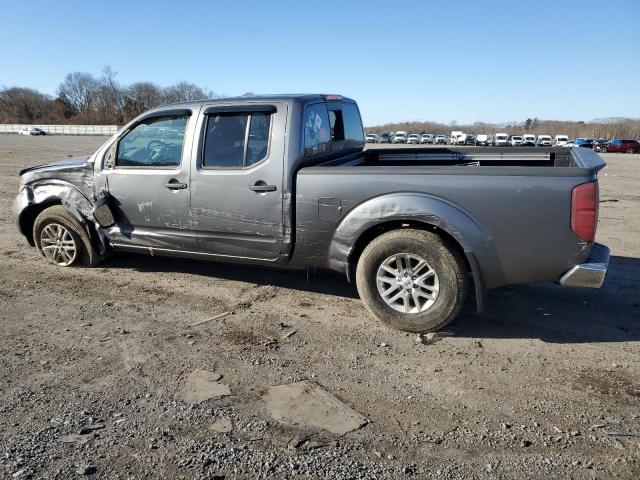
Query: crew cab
x,y
285,181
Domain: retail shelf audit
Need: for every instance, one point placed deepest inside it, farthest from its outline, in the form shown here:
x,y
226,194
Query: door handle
x,y
261,187
174,184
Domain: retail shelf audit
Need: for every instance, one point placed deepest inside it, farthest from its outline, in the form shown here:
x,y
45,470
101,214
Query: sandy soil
x,y
543,386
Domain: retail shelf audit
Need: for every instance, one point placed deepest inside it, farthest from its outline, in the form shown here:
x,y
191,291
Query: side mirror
x,y
102,211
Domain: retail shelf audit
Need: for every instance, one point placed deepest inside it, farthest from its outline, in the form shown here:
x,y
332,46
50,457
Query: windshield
x,y
517,138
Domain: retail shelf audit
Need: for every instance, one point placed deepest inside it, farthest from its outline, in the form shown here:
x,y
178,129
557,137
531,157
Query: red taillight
x,y
584,211
333,97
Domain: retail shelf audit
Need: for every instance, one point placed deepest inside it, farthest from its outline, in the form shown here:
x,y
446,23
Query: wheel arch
x,y
41,196
419,211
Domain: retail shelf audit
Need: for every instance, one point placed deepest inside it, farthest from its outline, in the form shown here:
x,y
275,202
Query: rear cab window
x,y
331,127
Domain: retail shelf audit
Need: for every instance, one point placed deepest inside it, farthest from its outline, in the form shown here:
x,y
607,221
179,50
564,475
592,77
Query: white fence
x,y
63,129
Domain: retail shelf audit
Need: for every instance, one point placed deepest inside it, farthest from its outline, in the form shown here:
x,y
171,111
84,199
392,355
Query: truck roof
x,y
286,97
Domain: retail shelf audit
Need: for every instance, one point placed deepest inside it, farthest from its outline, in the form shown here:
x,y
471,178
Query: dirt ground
x,y
93,363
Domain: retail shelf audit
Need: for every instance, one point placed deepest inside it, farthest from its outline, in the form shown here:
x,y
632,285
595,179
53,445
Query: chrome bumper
x,y
591,273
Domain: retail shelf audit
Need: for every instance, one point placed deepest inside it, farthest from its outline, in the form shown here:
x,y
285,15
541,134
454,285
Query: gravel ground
x,y
92,363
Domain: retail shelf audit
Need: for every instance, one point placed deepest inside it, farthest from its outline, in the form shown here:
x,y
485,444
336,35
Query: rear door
x,y
147,175
236,181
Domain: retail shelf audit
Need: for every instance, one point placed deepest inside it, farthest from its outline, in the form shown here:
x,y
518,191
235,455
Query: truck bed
x,y
473,157
511,205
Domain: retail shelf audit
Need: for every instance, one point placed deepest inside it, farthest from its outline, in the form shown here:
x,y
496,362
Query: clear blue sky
x,y
414,60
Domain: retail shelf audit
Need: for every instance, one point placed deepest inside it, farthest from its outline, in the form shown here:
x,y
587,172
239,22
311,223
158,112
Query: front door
x,y
147,176
236,181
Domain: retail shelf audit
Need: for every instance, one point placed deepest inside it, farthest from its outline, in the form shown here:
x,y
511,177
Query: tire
x,y
631,150
604,149
56,221
447,288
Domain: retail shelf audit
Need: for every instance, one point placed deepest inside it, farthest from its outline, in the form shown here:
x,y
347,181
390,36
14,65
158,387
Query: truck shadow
x,y
323,282
547,312
556,314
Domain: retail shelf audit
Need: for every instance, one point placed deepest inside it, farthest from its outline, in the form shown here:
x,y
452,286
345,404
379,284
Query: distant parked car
x,y
544,141
385,138
31,131
426,138
584,142
440,140
515,140
626,146
560,140
371,138
400,137
528,140
470,140
597,144
500,140
414,139
483,139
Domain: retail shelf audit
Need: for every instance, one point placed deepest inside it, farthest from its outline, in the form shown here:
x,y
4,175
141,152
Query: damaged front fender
x,y
37,196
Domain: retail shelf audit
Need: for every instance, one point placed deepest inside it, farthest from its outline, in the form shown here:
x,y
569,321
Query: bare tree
x,y
182,92
139,97
78,91
109,98
25,105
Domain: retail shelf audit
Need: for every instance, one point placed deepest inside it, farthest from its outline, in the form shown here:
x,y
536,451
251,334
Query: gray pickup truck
x,y
284,180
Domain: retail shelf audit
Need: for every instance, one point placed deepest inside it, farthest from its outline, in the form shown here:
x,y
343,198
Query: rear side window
x,y
236,140
317,134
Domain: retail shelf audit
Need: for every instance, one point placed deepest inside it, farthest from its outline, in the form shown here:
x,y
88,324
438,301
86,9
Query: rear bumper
x,y
591,273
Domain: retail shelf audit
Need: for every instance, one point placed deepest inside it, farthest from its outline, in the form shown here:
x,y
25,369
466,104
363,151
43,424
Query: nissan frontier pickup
x,y
285,181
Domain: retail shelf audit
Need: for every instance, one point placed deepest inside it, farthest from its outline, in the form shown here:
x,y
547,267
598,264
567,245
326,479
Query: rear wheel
x,y
411,280
61,239
631,150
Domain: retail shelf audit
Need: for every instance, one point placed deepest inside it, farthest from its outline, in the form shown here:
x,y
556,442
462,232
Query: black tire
x,y
87,255
446,262
631,150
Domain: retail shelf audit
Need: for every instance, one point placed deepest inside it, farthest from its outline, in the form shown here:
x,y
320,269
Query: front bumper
x,y
591,273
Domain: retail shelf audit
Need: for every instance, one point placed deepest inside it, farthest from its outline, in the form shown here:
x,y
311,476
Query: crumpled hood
x,y
74,163
77,171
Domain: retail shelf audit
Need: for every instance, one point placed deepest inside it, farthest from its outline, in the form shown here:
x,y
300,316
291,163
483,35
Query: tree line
x,y
624,128
83,98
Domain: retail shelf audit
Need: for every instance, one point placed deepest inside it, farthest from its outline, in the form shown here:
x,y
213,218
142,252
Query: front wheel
x,y
411,280
61,239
